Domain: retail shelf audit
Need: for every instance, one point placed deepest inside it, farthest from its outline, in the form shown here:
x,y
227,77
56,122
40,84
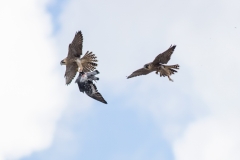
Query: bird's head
x,y
146,66
63,62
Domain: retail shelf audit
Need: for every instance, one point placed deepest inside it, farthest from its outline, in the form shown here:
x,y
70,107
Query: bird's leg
x,y
170,79
79,69
79,63
158,69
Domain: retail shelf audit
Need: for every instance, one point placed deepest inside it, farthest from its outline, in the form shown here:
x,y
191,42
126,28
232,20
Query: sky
x,y
147,117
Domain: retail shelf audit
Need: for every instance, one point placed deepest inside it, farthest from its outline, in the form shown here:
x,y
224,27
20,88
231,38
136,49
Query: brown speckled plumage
x,y
157,65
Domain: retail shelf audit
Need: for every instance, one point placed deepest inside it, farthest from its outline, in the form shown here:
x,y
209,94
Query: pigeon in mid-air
x,y
73,61
85,84
84,77
157,65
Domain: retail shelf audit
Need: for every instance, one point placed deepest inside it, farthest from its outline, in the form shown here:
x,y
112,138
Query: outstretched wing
x,y
89,62
71,70
95,94
165,56
98,97
75,48
139,72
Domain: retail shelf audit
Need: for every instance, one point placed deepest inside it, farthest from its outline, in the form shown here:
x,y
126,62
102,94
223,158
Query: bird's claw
x,y
79,70
170,79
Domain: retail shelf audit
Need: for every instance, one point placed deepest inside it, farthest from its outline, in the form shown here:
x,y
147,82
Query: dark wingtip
x,y
97,71
78,32
105,102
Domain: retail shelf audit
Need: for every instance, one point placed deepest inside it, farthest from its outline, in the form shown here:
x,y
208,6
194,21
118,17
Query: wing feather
x,y
139,72
75,48
95,94
71,70
165,56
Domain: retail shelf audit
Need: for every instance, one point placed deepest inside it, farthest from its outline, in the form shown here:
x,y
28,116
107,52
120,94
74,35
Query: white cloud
x,y
211,48
215,138
32,93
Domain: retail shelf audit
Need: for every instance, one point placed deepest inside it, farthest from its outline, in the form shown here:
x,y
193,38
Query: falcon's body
x,y
158,65
73,61
85,84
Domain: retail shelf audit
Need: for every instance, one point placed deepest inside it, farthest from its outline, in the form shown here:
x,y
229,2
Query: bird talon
x,y
80,70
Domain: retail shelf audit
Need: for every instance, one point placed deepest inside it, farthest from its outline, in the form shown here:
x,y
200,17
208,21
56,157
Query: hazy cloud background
x,y
32,97
147,117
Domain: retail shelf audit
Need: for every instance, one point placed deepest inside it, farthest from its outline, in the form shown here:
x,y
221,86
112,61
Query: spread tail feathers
x,y
176,66
89,62
170,70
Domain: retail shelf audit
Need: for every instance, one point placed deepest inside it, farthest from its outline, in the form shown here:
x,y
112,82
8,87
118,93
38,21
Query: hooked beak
x,y
62,62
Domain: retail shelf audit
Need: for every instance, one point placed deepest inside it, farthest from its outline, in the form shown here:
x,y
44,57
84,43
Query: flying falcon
x,y
157,65
73,61
85,84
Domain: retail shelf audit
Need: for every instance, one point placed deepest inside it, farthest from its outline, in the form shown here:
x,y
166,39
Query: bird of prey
x,y
73,61
158,65
85,84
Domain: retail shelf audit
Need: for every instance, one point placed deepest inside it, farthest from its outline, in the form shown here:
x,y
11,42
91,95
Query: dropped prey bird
x,y
73,61
158,65
85,84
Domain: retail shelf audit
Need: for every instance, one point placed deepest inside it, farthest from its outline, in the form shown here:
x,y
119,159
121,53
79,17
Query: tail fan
x,y
89,62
